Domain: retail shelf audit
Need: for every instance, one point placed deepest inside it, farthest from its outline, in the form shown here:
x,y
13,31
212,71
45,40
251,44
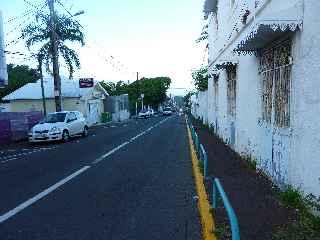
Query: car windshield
x,y
54,118
167,109
144,111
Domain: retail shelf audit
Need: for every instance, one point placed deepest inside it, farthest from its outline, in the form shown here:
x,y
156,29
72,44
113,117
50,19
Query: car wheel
x,y
85,131
65,136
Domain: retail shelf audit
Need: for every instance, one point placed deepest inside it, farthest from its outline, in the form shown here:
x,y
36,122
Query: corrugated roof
x,y
69,88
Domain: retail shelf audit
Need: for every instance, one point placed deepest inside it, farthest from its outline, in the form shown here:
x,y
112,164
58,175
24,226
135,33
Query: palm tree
x,y
66,29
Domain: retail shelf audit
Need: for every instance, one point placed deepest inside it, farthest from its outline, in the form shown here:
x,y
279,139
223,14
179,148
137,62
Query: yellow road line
x,y
203,203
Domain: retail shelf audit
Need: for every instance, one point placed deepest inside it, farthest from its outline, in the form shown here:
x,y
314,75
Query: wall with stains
x,y
289,156
304,167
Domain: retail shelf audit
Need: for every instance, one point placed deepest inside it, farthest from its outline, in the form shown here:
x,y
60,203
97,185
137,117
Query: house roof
x,y
69,88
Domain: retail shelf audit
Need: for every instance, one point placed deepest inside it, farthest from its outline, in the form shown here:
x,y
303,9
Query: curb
x,y
203,203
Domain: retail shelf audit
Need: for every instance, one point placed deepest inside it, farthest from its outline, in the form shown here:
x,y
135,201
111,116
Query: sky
x,y
154,38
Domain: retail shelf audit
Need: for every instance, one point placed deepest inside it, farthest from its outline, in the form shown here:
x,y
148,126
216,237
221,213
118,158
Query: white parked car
x,y
59,126
167,111
144,114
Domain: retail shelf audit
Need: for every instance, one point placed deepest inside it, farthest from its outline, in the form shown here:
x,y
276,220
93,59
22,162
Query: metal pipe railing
x,y
217,190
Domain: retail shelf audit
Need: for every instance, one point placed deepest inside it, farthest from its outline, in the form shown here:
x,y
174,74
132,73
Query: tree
x,y
200,78
154,90
187,100
65,29
18,76
115,89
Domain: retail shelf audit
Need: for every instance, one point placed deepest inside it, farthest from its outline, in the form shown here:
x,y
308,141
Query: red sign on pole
x,y
85,82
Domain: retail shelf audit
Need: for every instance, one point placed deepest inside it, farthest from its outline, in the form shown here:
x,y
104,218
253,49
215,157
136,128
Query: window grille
x,y
275,70
216,92
231,89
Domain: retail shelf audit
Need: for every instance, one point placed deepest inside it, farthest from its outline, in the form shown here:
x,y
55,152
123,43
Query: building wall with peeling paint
x,y
290,156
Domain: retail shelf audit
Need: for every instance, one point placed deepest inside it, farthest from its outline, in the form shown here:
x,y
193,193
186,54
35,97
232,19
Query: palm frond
x,y
71,58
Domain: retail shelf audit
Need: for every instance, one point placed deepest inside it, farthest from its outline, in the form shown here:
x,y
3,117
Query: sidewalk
x,y
258,210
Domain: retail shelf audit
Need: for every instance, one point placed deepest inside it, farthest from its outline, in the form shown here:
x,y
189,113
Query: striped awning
x,y
224,64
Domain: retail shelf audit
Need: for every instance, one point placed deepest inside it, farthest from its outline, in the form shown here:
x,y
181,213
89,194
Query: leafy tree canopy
x,y
154,90
187,99
67,30
200,78
115,89
18,76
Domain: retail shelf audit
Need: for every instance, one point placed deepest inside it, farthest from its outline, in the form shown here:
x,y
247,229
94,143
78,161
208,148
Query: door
x,y
72,123
93,116
275,70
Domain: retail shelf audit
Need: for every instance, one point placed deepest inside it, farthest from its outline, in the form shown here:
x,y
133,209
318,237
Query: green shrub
x,y
251,162
292,198
105,117
306,226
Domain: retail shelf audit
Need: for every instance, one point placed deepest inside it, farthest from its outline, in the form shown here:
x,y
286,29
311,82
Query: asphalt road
x,y
128,180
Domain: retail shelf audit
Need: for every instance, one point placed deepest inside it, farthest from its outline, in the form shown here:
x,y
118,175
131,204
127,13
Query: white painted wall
x,y
302,167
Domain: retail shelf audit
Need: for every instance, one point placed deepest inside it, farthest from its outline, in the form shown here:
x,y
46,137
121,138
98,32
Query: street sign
x,y
86,82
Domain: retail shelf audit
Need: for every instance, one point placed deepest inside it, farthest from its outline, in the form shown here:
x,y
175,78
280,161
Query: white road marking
x,y
44,193
109,153
36,198
24,153
126,143
8,160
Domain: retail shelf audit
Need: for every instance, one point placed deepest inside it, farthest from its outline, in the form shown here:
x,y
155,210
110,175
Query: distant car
x,y
151,111
167,111
59,126
145,113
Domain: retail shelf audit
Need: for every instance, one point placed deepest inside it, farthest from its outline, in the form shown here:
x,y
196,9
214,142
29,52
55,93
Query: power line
x,y
26,13
110,56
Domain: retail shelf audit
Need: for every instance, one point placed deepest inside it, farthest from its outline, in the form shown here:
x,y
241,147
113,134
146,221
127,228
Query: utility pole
x,y
142,96
136,109
42,87
54,45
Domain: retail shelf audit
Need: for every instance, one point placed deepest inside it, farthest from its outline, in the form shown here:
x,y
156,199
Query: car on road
x,y
144,113
59,126
151,111
167,111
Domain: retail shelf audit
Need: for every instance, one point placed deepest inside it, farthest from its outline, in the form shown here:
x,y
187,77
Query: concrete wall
x,y
299,164
199,106
69,104
304,168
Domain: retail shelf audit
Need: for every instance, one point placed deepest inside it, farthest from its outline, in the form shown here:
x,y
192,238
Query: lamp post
x,y
142,96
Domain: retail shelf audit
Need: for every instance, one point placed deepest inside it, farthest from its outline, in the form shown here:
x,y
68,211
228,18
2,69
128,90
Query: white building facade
x,y
263,94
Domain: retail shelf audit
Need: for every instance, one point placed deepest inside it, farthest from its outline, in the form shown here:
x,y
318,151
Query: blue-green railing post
x,y
204,161
214,194
231,215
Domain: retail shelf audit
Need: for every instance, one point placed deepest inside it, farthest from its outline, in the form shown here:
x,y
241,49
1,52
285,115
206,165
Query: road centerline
x,y
104,156
40,195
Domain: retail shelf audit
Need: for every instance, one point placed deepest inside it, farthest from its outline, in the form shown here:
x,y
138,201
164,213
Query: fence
x,y
14,126
217,188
